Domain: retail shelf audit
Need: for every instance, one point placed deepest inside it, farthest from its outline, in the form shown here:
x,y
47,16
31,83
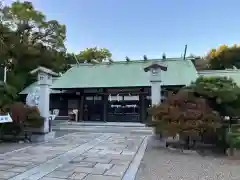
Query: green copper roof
x,y
125,74
230,73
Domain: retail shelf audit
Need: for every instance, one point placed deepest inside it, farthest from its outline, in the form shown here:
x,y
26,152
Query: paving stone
x,y
78,176
38,160
49,178
103,166
71,166
97,160
110,152
84,164
59,174
5,166
7,174
90,170
131,153
101,177
68,167
120,157
120,162
105,156
77,159
88,154
93,151
116,170
17,163
18,169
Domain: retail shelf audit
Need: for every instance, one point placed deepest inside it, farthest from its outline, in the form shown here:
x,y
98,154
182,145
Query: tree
x,y
28,40
8,95
94,54
200,63
222,93
224,57
31,26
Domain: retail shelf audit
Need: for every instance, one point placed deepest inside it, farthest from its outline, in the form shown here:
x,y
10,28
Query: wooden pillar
x,y
105,107
81,106
65,106
143,108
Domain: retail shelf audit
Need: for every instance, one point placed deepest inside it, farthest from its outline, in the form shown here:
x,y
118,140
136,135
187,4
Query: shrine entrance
x,y
93,108
123,108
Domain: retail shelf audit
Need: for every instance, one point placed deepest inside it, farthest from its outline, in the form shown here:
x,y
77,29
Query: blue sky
x,y
136,27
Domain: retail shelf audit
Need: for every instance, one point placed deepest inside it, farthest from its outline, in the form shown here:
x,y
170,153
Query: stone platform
x,y
101,127
81,156
43,137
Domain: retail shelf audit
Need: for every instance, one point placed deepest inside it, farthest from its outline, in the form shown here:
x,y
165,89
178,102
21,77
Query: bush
x,y
33,117
18,113
186,115
23,117
222,93
233,137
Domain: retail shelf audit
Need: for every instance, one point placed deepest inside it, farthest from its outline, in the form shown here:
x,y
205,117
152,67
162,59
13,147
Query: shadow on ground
x,y
6,147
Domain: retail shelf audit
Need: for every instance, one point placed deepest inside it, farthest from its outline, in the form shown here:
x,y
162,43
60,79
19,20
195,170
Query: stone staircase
x,y
108,127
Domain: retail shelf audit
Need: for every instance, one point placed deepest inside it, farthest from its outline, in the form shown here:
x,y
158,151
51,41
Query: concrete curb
x,y
133,167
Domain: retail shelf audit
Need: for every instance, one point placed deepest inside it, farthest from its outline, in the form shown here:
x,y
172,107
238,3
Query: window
x,y
131,98
95,98
115,98
89,98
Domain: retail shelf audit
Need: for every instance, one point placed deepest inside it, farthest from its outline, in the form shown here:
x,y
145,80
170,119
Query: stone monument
x,y
33,97
155,79
39,97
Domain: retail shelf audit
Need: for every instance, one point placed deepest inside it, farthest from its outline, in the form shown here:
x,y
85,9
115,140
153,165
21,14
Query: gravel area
x,y
159,163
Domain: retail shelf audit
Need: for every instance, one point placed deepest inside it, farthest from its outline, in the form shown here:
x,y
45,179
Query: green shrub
x,y
233,136
33,117
222,93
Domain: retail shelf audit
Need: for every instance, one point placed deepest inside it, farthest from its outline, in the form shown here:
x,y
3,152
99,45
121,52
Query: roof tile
x,y
125,74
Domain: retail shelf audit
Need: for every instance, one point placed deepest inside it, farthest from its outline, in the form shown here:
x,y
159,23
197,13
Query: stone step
x,y
105,124
104,129
61,118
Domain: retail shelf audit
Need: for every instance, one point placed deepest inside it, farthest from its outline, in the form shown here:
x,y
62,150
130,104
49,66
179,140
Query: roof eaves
x,y
43,69
219,71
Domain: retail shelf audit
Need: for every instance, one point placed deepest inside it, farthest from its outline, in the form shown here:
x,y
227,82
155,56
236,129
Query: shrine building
x,y
115,91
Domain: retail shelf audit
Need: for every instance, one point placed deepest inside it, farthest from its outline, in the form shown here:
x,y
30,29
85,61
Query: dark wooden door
x,y
93,108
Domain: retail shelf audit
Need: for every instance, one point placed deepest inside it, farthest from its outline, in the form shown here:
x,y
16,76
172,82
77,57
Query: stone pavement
x,y
79,156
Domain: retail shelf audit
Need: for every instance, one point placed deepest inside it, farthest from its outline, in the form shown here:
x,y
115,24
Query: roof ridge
x,y
133,61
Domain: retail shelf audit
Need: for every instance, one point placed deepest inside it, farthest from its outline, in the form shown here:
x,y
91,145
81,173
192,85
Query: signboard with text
x,y
5,119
